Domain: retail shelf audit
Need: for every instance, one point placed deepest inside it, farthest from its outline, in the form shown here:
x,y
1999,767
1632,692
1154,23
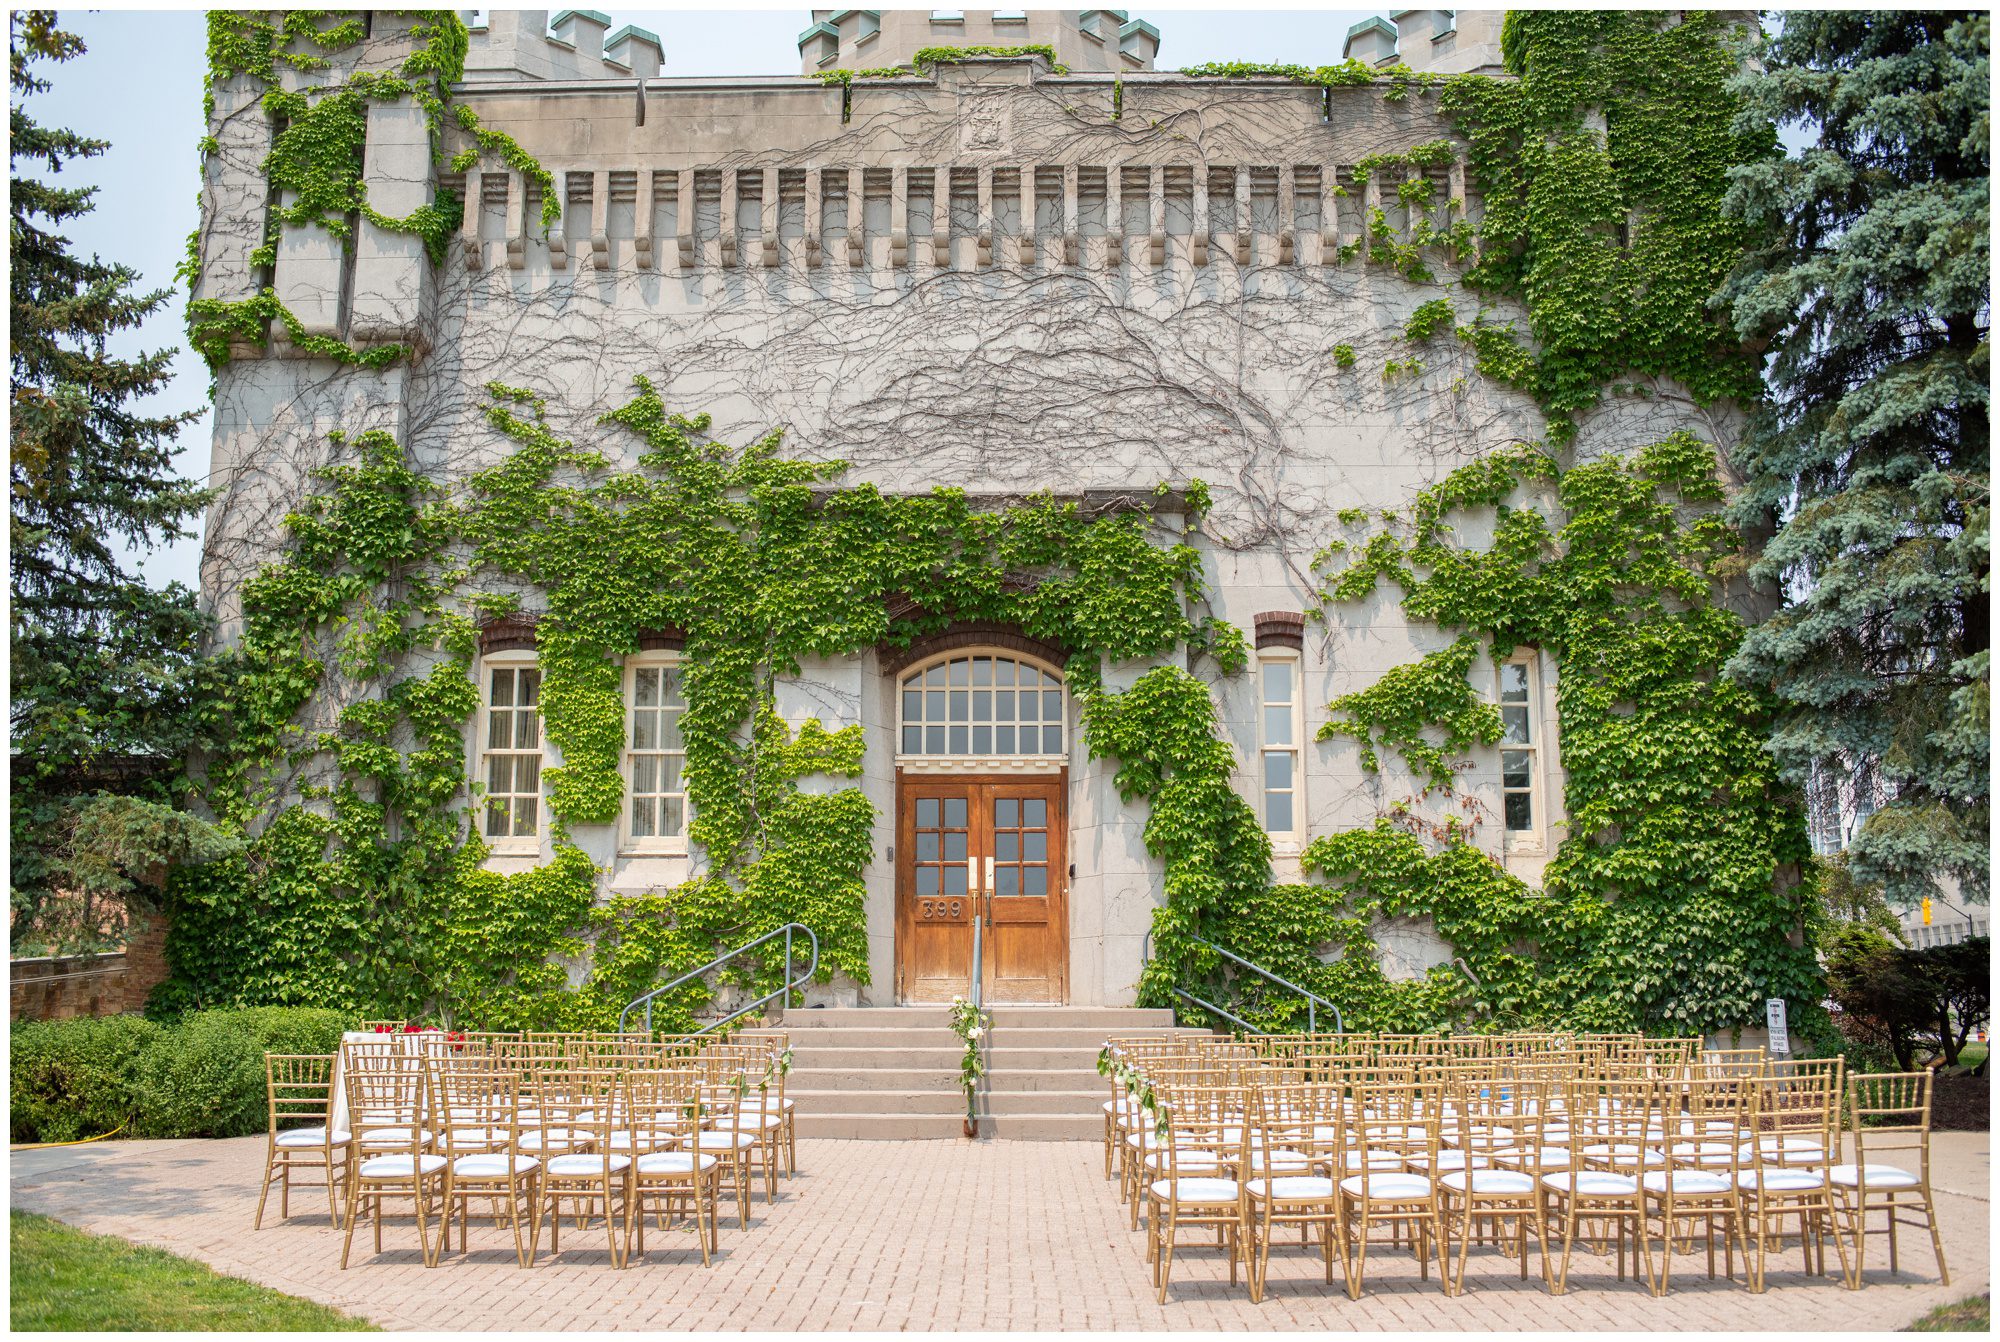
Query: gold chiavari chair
x,y
1614,1128
588,1174
1891,1117
723,1133
1384,1124
298,1090
481,1134
1295,1142
1204,1147
751,1068
374,1026
1499,1125
668,1176
1784,1168
385,1105
1704,1118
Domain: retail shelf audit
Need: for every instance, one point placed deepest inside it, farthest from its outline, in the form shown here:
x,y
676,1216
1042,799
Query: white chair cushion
x,y
725,1141
492,1166
1685,1181
1703,1153
673,1162
571,1167
312,1137
1786,1150
1280,1160
1374,1160
1387,1186
1297,1188
1592,1184
1781,1181
1623,1153
1207,1191
1490,1181
471,1137
1451,1160
398,1167
1879,1176
391,1137
1552,1157
625,1141
1186,1160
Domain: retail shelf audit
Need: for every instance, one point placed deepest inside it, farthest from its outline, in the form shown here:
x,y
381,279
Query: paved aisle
x,y
926,1234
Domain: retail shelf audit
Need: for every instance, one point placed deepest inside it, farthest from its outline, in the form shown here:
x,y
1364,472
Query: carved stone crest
x,y
982,124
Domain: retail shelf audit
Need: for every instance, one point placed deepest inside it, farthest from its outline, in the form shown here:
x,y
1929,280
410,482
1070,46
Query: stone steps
x,y
888,1073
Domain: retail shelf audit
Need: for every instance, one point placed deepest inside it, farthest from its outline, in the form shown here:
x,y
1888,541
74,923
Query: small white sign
x,y
1774,1020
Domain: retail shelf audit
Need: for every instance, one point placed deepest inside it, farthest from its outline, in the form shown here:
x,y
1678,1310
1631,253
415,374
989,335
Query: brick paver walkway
x,y
931,1234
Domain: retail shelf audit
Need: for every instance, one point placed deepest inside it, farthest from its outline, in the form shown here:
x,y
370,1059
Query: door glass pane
x,y
954,813
927,880
1006,846
954,846
927,812
1035,811
1007,881
1036,881
927,846
1006,811
954,880
1036,845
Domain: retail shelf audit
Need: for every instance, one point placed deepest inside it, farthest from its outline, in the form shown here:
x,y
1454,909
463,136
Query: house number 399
x,y
940,908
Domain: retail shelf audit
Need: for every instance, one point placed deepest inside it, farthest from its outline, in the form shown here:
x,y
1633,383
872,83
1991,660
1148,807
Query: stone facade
x,y
989,276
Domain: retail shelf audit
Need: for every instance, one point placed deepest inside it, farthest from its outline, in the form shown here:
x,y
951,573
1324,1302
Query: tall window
x,y
656,800
1520,744
1279,732
982,704
513,754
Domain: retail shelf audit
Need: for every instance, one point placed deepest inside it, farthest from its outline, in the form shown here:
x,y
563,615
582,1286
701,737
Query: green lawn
x,y
64,1280
1971,1315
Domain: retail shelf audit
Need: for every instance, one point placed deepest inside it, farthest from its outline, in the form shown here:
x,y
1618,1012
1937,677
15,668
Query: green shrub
x,y
200,1077
70,1079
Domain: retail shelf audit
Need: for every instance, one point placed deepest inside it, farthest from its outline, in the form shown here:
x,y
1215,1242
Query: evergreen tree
x,y
1870,457
105,670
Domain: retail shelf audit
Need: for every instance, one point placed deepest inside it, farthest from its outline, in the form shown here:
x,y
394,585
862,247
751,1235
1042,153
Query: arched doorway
x,y
982,757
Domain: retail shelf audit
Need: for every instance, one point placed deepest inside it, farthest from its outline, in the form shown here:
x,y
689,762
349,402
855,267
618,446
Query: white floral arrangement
x,y
970,1024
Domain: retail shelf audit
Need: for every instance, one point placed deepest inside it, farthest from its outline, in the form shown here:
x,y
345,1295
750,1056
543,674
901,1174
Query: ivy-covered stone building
x,y
981,478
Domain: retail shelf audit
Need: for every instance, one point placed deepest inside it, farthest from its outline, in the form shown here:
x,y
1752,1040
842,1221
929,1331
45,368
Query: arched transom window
x,y
983,704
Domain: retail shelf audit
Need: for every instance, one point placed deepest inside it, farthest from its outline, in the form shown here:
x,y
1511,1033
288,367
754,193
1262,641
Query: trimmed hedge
x,y
202,1076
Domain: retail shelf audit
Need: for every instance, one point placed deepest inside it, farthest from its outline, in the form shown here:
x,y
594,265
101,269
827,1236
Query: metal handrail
x,y
792,983
978,1005
1313,1000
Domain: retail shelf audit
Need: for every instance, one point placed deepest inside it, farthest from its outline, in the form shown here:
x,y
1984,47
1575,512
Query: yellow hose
x,y
83,1141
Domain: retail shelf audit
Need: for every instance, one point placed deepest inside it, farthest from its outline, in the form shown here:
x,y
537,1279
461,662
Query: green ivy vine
x,y
371,891
317,154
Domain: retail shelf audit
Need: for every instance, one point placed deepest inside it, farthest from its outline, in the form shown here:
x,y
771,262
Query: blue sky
x,y
138,85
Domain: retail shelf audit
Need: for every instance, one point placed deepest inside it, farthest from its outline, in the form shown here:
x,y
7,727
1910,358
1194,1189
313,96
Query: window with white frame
x,y
981,704
1279,731
512,750
1520,748
656,797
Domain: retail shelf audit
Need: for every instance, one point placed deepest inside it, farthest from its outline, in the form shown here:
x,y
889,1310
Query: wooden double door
x,y
981,851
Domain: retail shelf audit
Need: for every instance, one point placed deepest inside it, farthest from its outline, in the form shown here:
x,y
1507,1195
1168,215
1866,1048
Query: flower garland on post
x,y
970,1024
